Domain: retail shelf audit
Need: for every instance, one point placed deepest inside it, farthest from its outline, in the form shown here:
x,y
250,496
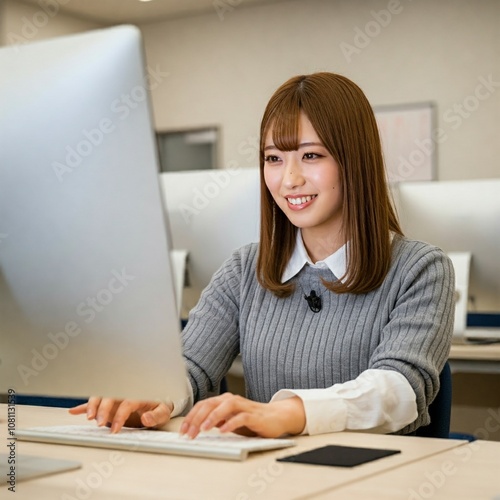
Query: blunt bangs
x,y
284,123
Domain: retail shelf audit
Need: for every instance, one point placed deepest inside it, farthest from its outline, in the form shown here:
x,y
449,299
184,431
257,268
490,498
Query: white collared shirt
x,y
377,400
336,262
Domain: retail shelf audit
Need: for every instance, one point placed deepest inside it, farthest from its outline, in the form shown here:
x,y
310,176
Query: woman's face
x,y
305,183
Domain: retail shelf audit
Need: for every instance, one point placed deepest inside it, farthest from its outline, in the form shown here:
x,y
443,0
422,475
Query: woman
x,y
342,322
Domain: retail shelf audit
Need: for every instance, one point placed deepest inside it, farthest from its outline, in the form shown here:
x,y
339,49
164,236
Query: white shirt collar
x,y
336,262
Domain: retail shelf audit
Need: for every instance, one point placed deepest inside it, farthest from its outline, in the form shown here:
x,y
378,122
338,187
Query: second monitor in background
x,y
461,216
211,214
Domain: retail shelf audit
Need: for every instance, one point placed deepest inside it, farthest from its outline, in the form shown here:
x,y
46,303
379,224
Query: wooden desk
x,y
475,358
133,475
468,472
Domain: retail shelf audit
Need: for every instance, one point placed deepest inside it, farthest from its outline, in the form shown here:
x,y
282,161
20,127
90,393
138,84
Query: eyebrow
x,y
302,145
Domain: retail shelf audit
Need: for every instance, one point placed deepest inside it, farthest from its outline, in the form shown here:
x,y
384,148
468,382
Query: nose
x,y
292,175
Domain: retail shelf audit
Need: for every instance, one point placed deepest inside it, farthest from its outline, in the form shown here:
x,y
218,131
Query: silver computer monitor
x,y
460,216
87,302
211,214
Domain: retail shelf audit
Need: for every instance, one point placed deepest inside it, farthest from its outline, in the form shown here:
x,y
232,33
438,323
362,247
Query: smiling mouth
x,y
300,200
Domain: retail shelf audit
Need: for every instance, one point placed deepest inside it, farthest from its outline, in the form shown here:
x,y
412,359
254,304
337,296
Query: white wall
x,y
223,72
22,23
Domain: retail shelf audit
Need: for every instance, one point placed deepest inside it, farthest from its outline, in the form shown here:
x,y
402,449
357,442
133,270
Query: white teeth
x,y
300,201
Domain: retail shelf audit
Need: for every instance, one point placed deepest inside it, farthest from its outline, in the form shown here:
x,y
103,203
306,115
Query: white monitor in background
x,y
87,300
211,213
461,217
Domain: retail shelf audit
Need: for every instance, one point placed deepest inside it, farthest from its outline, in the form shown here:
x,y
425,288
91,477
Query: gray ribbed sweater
x,y
404,325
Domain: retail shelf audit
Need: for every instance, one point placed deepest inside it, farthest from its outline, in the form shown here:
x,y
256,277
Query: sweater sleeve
x,y
416,340
211,336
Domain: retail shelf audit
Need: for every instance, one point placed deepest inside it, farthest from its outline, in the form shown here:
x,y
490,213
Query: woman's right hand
x,y
117,413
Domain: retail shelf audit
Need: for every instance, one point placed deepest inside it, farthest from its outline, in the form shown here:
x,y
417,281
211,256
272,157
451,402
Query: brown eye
x,y
271,159
311,156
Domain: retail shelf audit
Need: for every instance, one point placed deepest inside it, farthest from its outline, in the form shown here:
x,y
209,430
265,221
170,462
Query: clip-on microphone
x,y
313,301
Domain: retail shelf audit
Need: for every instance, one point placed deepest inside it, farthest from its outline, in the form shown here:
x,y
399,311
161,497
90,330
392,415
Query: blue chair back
x,y
440,409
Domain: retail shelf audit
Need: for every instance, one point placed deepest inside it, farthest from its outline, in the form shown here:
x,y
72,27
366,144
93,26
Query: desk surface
x,y
467,472
489,352
150,476
475,358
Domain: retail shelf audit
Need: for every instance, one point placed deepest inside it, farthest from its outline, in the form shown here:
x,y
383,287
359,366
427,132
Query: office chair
x,y
439,409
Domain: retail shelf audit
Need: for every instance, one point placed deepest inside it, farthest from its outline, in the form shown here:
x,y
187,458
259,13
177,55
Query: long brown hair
x,y
344,121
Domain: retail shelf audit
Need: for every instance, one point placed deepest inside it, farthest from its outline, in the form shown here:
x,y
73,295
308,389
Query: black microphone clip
x,y
313,301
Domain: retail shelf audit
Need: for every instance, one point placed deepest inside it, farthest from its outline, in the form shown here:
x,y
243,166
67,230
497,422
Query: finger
x,y
190,426
122,413
201,406
158,416
106,411
92,407
243,423
211,416
197,415
221,423
226,411
78,410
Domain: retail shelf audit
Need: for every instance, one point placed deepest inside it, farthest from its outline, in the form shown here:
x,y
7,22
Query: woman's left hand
x,y
232,413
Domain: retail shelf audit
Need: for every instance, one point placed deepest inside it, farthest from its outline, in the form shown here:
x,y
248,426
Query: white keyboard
x,y
207,445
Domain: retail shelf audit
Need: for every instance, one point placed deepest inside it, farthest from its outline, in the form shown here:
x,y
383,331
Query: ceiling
x,y
136,11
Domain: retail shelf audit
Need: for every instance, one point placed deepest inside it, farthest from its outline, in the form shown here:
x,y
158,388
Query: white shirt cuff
x,y
378,400
182,406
